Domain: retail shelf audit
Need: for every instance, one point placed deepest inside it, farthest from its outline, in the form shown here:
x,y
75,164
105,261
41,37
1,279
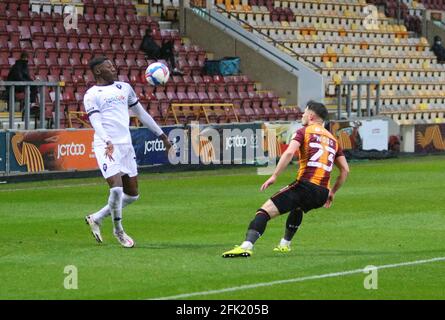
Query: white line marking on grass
x,y
272,283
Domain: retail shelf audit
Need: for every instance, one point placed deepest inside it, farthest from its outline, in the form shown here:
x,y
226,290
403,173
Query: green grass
x,y
388,212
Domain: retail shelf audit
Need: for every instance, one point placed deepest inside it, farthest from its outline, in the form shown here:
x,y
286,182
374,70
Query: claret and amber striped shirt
x,y
318,151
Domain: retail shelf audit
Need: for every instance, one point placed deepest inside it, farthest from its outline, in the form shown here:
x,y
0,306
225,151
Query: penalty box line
x,y
285,281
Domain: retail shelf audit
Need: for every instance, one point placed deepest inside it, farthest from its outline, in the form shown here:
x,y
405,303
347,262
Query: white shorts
x,y
124,160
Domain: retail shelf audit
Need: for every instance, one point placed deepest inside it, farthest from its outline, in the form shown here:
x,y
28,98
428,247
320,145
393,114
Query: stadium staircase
x,y
115,28
337,37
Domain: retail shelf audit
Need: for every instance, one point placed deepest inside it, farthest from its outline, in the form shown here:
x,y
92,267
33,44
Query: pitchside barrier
x,y
361,134
236,143
2,151
72,149
429,138
41,87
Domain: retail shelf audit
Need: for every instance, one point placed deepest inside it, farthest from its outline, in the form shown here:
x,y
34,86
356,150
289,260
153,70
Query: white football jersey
x,y
112,102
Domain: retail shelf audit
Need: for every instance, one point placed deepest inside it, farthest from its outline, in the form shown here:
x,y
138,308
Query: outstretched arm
x,y
342,164
285,159
148,121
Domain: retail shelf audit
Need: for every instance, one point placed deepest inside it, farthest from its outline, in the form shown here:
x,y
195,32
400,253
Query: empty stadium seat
x,y
59,54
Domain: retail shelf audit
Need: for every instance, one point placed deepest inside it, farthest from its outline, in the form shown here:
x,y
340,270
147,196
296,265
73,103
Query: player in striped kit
x,y
319,151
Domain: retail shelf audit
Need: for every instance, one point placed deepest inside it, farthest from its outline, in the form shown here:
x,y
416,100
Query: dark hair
x,y
24,55
96,61
437,38
319,109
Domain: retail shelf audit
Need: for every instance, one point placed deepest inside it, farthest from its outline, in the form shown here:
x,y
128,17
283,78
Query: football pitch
x,y
389,214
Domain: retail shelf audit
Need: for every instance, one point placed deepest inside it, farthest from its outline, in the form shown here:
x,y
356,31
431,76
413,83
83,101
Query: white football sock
x,y
247,245
115,204
105,211
285,243
101,214
127,200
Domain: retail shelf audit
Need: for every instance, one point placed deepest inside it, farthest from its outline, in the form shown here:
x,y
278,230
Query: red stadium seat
x,y
279,113
4,63
140,63
203,97
269,114
96,49
86,57
84,46
193,97
64,60
135,75
67,76
25,33
62,45
155,114
130,62
42,73
123,78
36,21
37,33
191,87
180,83
172,97
26,46
214,97
78,74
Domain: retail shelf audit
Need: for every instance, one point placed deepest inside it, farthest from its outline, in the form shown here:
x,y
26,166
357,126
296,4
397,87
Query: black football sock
x,y
293,221
257,226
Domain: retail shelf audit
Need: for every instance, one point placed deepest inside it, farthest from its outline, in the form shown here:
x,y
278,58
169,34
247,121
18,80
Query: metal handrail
x,y
202,107
359,84
27,107
274,42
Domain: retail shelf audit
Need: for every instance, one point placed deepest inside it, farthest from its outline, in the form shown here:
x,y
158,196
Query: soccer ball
x,y
157,74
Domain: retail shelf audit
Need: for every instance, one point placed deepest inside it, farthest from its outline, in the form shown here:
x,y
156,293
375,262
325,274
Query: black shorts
x,y
300,194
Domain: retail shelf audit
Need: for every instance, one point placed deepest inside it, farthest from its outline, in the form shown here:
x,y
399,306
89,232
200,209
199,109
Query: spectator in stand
x,y
438,49
20,72
153,51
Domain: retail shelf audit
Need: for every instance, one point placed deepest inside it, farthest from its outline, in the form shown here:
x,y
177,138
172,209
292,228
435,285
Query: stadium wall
x,y
291,79
434,30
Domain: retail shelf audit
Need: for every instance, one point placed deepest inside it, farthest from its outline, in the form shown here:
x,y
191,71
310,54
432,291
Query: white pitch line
x,y
272,283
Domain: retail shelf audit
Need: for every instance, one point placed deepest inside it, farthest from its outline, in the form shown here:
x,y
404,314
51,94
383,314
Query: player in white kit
x,y
108,104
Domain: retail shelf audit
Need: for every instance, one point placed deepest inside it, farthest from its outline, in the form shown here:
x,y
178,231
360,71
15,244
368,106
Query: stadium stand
x,y
335,36
113,28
